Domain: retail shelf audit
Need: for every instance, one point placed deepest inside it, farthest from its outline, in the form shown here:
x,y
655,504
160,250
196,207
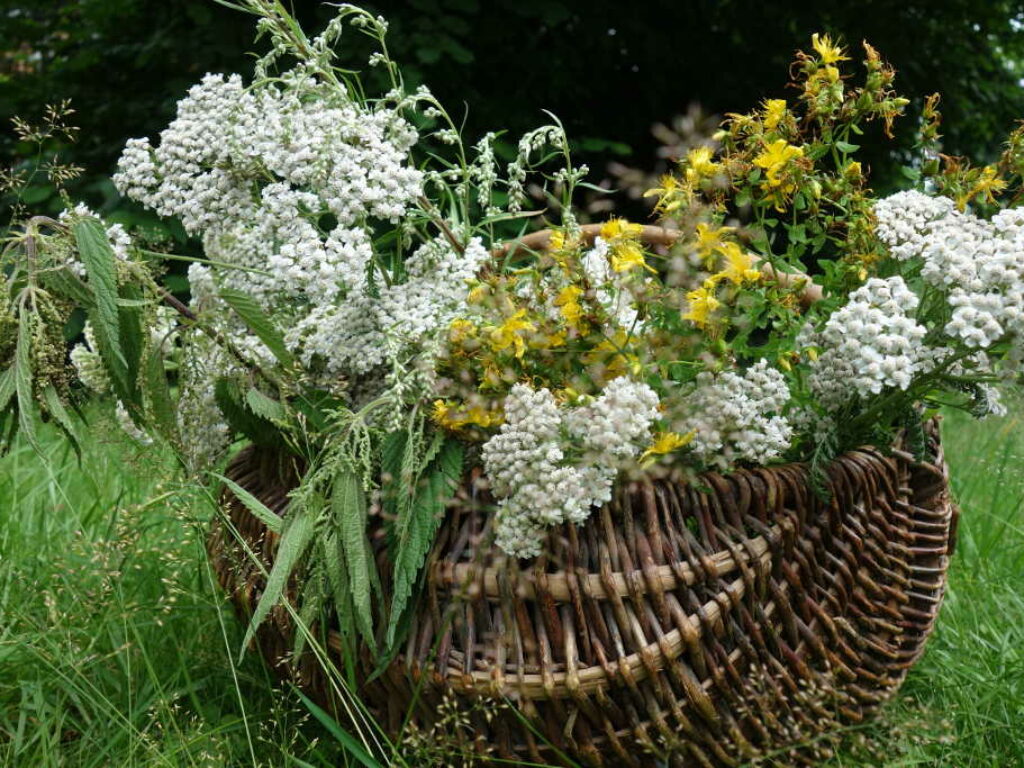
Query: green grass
x,y
117,650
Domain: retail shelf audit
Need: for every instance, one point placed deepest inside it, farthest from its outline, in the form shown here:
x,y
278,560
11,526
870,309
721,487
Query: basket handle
x,y
654,235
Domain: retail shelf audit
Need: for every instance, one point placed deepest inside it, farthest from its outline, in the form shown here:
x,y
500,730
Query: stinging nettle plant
x,y
369,305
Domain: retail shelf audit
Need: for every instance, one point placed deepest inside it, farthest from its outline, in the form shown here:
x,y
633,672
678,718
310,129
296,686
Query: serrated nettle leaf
x,y
392,451
68,284
23,379
264,406
7,388
98,257
264,514
247,308
295,538
349,512
158,397
312,599
450,461
238,415
417,525
334,562
133,343
60,414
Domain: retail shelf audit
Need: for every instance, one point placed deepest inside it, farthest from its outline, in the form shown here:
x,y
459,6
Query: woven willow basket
x,y
704,624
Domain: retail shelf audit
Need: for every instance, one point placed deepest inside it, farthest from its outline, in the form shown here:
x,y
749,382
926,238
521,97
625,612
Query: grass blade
x,y
343,737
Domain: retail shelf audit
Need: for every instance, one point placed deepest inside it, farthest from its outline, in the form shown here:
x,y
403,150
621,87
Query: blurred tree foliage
x,y
608,69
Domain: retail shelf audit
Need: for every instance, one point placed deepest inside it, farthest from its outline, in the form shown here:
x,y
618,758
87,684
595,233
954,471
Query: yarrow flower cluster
x,y
550,465
979,263
351,337
737,417
285,183
870,343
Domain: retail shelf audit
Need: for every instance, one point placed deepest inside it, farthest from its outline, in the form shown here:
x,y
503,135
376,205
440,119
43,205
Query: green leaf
x,y
317,405
263,406
417,524
133,343
348,506
61,415
295,538
23,380
7,388
846,147
158,396
236,411
98,257
334,564
258,322
391,454
449,461
68,284
267,516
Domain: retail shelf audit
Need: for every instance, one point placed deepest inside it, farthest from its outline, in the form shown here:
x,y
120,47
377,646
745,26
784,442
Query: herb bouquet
x,y
608,485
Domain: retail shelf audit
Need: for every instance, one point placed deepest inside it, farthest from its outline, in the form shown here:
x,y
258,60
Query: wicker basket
x,y
700,624
686,625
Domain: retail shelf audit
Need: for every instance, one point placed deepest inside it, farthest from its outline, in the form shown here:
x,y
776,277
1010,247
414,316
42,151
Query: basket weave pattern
x,y
701,624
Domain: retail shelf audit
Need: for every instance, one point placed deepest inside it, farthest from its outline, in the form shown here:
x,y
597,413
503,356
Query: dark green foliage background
x,y
607,68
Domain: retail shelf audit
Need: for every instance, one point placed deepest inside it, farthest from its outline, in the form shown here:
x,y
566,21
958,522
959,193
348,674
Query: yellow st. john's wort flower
x,y
985,187
452,416
568,303
620,228
739,266
709,241
671,194
774,159
702,304
699,165
508,334
666,442
460,330
627,255
774,111
829,52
